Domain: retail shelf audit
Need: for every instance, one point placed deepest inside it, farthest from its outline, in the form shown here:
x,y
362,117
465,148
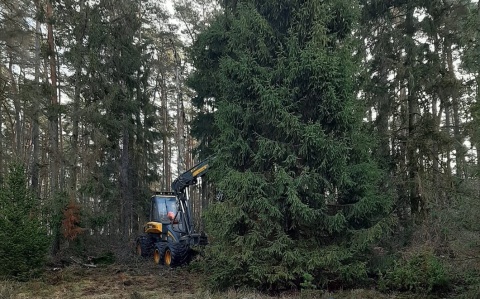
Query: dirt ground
x,y
137,280
143,280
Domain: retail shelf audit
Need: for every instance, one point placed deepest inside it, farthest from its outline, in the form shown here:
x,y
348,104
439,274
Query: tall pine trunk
x,y
17,110
53,117
53,128
167,176
2,98
36,107
125,184
76,108
458,139
180,116
383,102
412,166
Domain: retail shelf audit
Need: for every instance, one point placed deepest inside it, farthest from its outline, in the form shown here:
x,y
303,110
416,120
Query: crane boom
x,y
189,178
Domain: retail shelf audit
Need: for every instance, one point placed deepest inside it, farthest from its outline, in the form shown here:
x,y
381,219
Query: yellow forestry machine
x,y
169,235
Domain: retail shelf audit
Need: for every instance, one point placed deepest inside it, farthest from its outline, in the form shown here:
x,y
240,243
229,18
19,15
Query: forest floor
x,y
144,280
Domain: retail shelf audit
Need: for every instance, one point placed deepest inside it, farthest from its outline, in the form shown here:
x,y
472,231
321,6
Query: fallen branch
x,y
83,264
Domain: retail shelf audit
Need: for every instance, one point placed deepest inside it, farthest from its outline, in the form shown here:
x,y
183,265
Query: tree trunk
x,y
166,146
36,107
140,152
2,100
60,158
459,149
412,163
477,146
383,102
75,130
18,146
125,184
180,115
76,110
404,210
478,98
436,115
53,117
180,123
53,125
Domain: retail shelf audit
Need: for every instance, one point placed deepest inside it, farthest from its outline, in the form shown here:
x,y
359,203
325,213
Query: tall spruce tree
x,y
303,194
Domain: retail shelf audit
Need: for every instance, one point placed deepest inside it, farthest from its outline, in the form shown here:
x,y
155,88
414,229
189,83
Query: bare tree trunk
x,y
2,100
53,121
53,125
17,106
139,169
76,112
478,99
60,158
446,104
189,151
436,115
459,149
383,102
1,139
75,129
478,102
125,185
404,209
180,116
36,108
415,200
43,178
447,129
166,146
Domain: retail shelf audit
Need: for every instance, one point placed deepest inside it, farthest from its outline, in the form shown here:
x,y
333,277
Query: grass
x,y
143,280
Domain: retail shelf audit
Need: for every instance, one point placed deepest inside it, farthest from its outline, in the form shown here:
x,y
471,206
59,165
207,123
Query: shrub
x,y
422,273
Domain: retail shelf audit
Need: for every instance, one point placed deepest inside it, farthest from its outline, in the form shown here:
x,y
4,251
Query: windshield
x,y
161,207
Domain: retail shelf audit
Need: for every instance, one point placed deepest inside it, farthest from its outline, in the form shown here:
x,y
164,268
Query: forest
x,y
345,137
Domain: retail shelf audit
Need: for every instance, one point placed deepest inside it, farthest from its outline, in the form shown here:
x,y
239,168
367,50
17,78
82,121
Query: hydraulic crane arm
x,y
186,179
189,178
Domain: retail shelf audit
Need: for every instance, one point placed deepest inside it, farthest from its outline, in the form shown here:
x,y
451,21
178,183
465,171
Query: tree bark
x,y
53,125
459,149
35,122
2,100
383,102
125,184
166,145
180,117
477,146
412,166
53,117
76,106
18,144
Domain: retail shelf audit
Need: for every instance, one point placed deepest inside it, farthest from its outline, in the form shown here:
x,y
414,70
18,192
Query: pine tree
x,y
303,194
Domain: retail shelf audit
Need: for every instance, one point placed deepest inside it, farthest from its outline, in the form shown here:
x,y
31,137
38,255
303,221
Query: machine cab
x,y
163,208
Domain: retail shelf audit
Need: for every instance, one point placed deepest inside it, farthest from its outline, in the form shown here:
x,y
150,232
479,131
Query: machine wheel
x,y
176,254
144,246
159,252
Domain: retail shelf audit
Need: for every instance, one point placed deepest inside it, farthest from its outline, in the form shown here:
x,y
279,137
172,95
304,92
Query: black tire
x,y
144,246
176,254
159,252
